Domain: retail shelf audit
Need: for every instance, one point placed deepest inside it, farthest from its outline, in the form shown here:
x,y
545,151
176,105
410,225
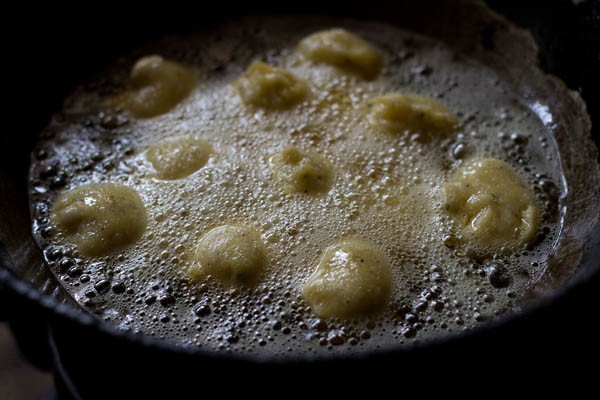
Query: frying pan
x,y
56,50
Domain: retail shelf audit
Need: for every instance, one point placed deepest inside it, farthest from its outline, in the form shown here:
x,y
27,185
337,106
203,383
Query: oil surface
x,y
386,189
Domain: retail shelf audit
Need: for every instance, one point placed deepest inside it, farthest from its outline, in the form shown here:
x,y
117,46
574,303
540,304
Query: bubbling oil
x,y
385,189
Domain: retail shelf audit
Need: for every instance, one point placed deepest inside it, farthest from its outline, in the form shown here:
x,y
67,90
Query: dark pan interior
x,y
66,50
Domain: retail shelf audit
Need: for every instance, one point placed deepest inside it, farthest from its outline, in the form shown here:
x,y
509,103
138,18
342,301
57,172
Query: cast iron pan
x,y
54,51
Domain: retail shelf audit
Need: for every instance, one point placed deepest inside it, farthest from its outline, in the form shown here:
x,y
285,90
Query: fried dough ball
x,y
400,112
344,50
156,86
178,157
353,279
231,254
100,218
265,86
298,171
491,206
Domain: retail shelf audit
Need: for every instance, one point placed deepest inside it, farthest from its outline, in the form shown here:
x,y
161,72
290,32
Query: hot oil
x,y
386,189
